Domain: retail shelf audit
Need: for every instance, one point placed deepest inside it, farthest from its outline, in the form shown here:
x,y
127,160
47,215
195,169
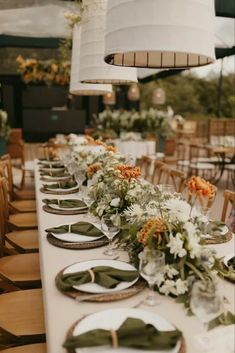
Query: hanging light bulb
x,y
109,98
93,69
133,93
159,96
77,87
160,33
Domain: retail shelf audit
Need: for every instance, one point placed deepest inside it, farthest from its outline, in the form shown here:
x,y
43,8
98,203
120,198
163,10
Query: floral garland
x,y
150,218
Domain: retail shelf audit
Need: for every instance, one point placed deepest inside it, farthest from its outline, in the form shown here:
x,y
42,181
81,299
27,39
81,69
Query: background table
x,y
62,312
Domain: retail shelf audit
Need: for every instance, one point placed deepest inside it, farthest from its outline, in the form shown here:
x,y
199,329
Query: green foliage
x,y
189,94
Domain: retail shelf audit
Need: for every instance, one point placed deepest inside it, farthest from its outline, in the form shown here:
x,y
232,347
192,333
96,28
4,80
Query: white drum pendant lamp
x,y
160,33
76,87
93,69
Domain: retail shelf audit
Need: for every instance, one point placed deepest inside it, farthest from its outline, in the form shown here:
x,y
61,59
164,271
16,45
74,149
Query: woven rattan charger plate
x,y
79,245
104,297
219,239
70,333
62,192
48,209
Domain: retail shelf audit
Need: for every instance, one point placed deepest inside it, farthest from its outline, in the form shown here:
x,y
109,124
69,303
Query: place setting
x,y
60,188
55,175
65,206
124,329
80,235
100,280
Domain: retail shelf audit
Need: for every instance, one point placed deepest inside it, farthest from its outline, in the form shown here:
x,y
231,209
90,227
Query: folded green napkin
x,y
61,185
105,276
55,173
133,333
215,227
83,228
70,203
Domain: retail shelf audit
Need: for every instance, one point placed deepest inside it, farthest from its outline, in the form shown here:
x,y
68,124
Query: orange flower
x,y
128,172
111,149
154,227
92,169
199,186
89,139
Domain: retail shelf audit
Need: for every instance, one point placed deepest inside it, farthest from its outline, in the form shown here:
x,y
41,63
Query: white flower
x,y
171,271
3,116
115,202
181,286
179,210
134,213
176,245
168,287
193,245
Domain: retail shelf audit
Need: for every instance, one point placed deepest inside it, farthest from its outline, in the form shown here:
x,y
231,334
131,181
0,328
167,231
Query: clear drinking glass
x,y
152,263
110,230
83,190
79,176
205,212
206,301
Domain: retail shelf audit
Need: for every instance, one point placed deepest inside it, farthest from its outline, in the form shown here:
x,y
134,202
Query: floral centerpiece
x,y
145,122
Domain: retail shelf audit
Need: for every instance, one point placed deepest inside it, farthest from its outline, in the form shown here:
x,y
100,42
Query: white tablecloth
x,y
136,148
62,312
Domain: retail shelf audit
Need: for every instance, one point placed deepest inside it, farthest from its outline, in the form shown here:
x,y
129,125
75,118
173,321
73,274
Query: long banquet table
x,y
62,312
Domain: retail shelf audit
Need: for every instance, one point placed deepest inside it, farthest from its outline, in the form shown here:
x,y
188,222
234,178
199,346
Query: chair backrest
x,y
181,150
4,208
178,179
196,151
229,199
159,171
7,172
145,166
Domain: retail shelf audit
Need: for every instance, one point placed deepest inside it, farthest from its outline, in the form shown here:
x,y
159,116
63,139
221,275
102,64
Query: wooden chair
x,y
16,205
157,172
20,194
16,241
200,163
229,199
177,178
19,221
182,161
230,168
145,166
30,348
21,318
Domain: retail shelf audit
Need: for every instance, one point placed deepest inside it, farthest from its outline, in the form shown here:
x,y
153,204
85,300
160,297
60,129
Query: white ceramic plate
x,y
96,288
227,258
42,169
60,189
57,207
112,319
75,238
52,178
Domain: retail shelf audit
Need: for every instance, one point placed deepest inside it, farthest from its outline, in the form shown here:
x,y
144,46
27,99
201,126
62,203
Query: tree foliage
x,y
190,95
